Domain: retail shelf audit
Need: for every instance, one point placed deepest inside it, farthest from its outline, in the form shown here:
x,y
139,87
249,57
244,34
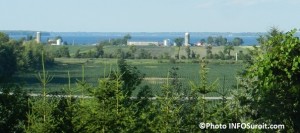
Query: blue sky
x,y
149,15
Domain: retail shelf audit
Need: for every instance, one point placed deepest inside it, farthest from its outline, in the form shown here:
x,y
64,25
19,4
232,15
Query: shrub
x,y
172,60
183,57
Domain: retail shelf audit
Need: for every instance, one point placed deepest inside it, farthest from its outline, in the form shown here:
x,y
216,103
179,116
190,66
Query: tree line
x,y
221,41
17,55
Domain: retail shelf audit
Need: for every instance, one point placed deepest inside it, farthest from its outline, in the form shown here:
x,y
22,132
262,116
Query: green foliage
x,y
172,60
210,40
77,54
227,49
208,52
182,57
144,110
273,80
63,52
13,105
202,41
131,77
132,49
166,55
31,55
99,51
168,104
144,54
3,37
268,93
64,113
8,59
221,55
40,118
237,41
178,41
219,41
118,41
58,37
106,111
126,38
188,51
193,55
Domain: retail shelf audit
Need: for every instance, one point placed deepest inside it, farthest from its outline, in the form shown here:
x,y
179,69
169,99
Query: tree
x,y
3,37
188,51
210,40
63,52
220,41
263,39
208,52
99,51
106,112
8,61
237,41
227,49
144,54
223,41
133,49
168,105
29,38
131,77
125,39
77,54
13,107
58,37
178,41
30,58
193,55
273,81
202,41
221,55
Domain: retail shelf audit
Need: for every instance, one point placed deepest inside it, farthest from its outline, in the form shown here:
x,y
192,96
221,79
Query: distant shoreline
x,y
89,38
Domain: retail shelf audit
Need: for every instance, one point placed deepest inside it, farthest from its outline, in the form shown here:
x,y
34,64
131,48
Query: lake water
x,y
87,38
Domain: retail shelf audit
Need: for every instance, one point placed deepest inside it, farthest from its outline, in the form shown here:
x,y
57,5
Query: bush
x,y
195,61
273,79
172,60
183,57
63,52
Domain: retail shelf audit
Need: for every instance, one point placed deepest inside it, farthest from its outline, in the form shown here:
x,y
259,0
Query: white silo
x,y
38,37
58,42
187,39
167,42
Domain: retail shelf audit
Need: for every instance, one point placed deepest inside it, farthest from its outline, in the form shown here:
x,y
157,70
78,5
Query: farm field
x,y
154,50
156,73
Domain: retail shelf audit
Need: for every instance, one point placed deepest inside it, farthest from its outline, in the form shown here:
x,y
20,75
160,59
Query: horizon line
x,y
135,31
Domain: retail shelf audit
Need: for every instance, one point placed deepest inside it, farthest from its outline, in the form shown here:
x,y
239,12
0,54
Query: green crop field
x,y
222,72
156,74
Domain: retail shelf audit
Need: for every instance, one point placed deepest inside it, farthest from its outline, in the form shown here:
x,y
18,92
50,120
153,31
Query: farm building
x,y
143,43
55,41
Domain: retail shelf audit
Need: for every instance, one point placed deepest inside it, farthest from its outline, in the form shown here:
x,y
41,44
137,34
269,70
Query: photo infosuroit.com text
x,y
203,125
